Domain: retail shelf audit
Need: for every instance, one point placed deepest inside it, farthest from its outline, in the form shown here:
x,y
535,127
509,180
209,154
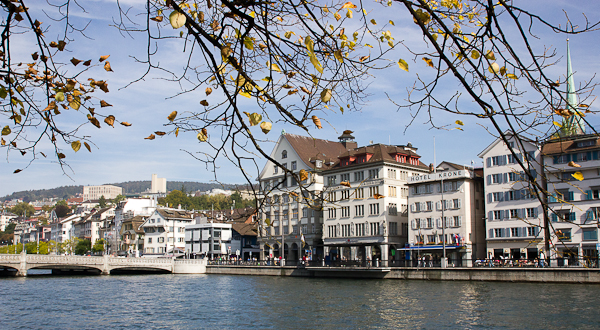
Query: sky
x,y
122,154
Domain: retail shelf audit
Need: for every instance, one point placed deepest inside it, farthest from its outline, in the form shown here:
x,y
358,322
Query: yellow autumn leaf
x,y
573,164
349,13
578,176
150,137
557,123
177,19
403,65
458,122
490,55
254,118
265,126
338,55
60,96
494,68
76,145
208,91
202,137
172,116
326,95
107,67
337,16
303,175
204,103
317,122
6,130
103,58
511,76
275,67
428,61
110,120
373,21
475,54
315,62
392,22
348,5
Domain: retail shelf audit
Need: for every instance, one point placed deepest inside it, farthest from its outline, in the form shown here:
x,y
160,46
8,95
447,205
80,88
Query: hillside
x,y
129,188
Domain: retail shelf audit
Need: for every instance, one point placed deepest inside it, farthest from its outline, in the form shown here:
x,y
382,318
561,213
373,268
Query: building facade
x,y
446,211
573,183
514,216
95,192
290,214
164,231
365,203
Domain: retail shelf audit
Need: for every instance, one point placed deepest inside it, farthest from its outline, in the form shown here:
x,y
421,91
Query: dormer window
x,y
284,154
319,163
588,143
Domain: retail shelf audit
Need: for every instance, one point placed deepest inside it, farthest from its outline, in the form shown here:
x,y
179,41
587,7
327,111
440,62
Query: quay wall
x,y
541,275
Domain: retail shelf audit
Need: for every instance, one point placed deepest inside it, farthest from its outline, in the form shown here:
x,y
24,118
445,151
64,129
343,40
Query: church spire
x,y
574,124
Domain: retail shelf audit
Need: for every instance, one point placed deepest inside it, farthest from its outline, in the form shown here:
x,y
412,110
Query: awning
x,y
432,247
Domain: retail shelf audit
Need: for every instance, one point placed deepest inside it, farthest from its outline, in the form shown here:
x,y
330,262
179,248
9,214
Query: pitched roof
x,y
380,152
569,144
174,214
245,229
310,149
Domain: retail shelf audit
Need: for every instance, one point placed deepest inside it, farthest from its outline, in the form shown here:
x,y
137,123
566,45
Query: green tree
x,y
176,198
62,210
118,199
23,208
83,246
70,245
98,246
10,228
102,201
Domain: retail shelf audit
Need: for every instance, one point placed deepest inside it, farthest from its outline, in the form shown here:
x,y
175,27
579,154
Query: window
x,y
332,197
374,209
590,234
532,212
161,240
562,159
514,214
360,229
456,203
393,228
345,194
345,230
359,176
500,232
332,231
345,211
373,191
304,229
533,231
404,192
331,180
295,214
294,165
429,223
345,177
284,154
498,215
359,193
455,221
374,174
359,210
149,239
429,206
180,239
392,191
374,229
275,169
305,212
588,143
391,174
563,234
498,197
393,209
332,213
286,198
497,178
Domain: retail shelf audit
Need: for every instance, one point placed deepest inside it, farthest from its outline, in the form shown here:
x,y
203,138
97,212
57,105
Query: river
x,y
254,302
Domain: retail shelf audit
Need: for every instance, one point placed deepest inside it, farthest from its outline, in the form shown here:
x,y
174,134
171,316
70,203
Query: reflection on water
x,y
246,302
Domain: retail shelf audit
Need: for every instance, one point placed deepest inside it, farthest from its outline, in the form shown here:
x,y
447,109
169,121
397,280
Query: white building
x,y
573,183
514,214
128,209
60,230
210,239
5,218
165,231
447,207
95,192
291,211
366,198
158,185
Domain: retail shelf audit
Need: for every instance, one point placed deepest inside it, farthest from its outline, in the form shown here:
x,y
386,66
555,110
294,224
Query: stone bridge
x,y
104,264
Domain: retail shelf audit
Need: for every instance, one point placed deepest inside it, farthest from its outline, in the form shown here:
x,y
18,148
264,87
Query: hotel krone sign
x,y
448,175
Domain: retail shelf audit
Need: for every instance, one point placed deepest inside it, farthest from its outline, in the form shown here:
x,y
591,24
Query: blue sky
x,y
122,154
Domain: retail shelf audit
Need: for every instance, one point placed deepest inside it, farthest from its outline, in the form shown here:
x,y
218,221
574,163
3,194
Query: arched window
x,y
284,154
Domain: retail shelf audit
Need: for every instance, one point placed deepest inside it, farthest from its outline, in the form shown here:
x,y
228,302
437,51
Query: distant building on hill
x,y
159,185
95,192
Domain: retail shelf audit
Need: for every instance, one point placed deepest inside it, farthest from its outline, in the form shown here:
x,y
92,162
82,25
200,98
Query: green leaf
x,y
60,96
315,62
248,43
